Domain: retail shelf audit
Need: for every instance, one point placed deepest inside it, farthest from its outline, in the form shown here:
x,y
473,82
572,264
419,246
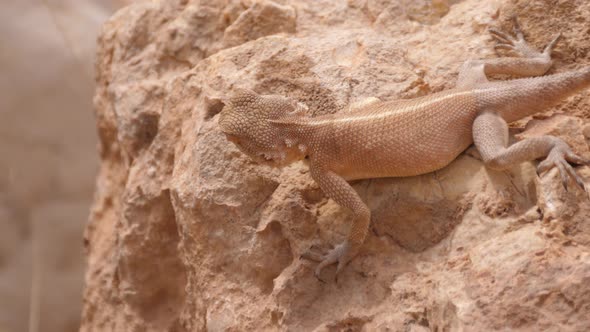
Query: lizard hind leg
x,y
528,62
490,137
517,43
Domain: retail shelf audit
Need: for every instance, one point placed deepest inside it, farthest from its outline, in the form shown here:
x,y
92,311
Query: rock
x,y
188,234
263,18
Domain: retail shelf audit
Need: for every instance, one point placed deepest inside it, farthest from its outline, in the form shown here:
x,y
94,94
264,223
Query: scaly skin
x,y
374,139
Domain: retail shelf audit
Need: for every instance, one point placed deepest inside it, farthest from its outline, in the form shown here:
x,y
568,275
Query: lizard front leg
x,y
490,135
336,188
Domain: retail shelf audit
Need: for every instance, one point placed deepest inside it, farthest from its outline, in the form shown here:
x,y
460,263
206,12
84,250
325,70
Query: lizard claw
x,y
506,41
505,38
551,44
561,157
341,254
516,28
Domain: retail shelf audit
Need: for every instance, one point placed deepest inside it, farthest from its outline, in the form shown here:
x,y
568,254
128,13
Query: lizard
x,y
400,138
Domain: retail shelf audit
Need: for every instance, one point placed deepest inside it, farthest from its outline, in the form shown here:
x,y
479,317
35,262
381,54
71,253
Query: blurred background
x,y
48,157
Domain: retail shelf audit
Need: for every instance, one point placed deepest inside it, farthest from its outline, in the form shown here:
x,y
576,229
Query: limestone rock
x,y
188,234
263,18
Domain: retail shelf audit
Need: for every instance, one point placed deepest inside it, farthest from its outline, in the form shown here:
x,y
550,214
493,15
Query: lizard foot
x,y
518,44
341,254
561,156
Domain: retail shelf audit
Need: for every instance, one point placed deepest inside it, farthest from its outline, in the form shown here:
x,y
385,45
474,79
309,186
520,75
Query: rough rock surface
x,y
188,234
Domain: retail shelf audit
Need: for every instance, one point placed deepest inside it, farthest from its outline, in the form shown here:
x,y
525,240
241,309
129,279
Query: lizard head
x,y
247,121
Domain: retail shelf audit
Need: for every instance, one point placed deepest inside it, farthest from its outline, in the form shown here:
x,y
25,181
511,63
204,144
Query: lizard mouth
x,y
266,157
260,157
270,158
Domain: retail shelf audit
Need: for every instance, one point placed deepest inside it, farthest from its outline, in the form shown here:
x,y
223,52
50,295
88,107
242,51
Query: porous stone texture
x,y
188,234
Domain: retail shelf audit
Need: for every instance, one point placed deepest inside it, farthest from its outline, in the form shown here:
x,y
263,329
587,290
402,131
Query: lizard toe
x,y
312,255
501,37
561,157
341,254
544,166
562,174
572,173
547,50
503,46
574,158
328,260
516,28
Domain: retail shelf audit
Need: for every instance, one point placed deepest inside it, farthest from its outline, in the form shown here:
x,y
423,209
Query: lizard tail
x,y
524,97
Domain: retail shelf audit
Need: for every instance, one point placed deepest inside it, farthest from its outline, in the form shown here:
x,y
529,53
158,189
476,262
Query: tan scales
x,y
376,138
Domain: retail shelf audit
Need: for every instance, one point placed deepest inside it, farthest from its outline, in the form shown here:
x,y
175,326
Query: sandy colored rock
x,y
188,234
262,18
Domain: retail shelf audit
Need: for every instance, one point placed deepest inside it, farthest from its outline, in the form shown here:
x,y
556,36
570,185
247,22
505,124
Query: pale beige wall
x,y
48,156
